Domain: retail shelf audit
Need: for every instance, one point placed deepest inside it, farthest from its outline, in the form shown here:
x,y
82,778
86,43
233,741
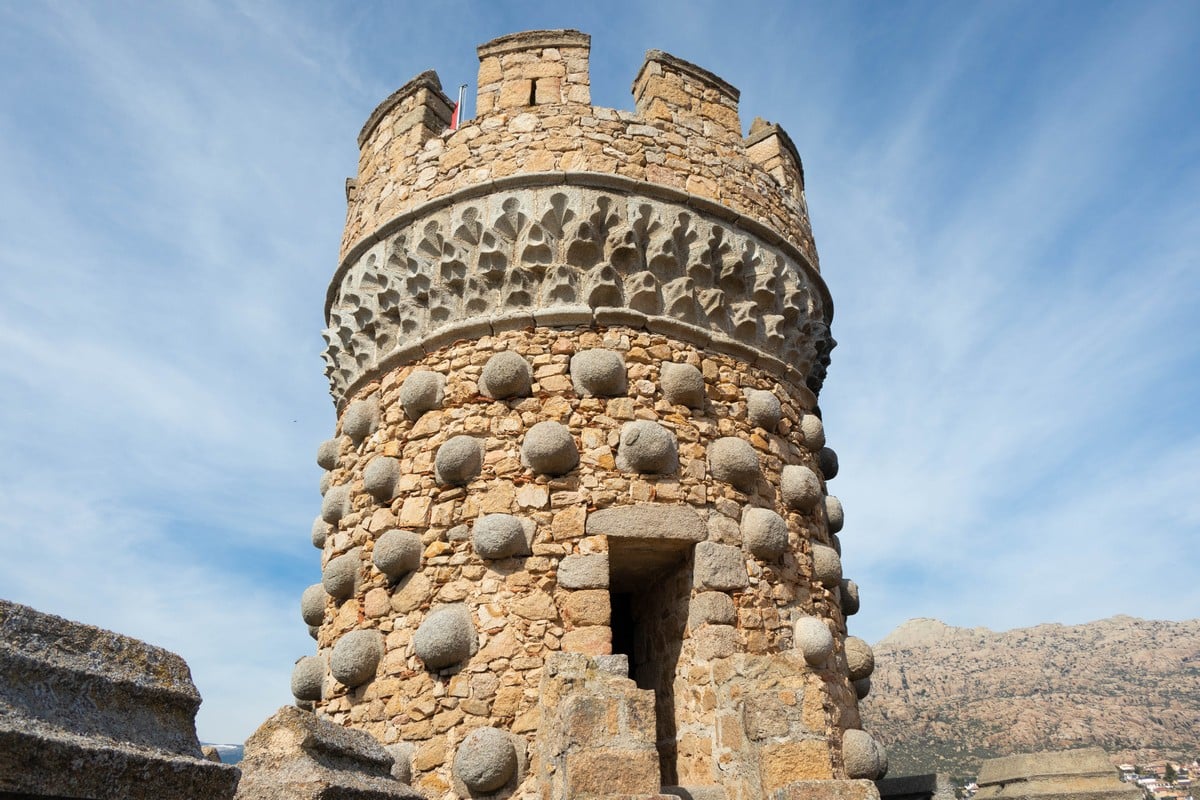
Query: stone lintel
x,y
680,523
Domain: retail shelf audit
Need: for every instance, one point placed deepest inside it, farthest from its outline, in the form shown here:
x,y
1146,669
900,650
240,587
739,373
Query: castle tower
x,y
575,537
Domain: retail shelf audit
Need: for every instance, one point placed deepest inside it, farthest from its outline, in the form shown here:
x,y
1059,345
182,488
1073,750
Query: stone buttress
x,y
575,534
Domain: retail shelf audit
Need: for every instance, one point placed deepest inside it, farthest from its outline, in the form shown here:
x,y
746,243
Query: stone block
x,y
648,521
587,607
711,608
584,571
734,461
595,640
599,773
715,641
782,763
90,713
720,566
647,447
1083,774
598,373
826,790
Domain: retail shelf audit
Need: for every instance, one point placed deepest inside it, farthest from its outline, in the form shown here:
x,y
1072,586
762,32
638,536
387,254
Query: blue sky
x,y
1005,197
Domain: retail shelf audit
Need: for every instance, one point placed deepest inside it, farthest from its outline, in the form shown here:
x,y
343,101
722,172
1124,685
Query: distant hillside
x,y
944,698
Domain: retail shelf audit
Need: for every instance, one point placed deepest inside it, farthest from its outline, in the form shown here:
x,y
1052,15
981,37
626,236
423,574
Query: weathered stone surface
x,y
862,687
325,482
834,515
648,447
506,375
356,656
584,571
327,453
90,713
341,574
397,553
312,604
860,755
720,566
734,461
801,487
716,641
459,460
764,533
423,390
860,659
549,448
307,678
598,373
1086,774
813,639
446,637
335,504
827,566
763,409
296,755
849,592
648,521
587,607
682,384
827,460
320,530
712,608
380,476
402,753
486,760
812,432
499,536
827,790
360,419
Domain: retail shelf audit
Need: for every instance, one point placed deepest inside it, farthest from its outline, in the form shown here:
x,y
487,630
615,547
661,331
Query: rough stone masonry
x,y
576,534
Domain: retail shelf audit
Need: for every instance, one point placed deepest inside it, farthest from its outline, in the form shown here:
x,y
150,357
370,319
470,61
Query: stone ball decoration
x,y
320,532
682,385
422,391
458,460
380,476
598,373
446,637
647,447
341,574
313,630
849,592
361,419
326,482
506,375
356,656
401,753
734,461
327,453
862,687
763,409
499,536
801,487
836,543
335,504
312,604
764,533
307,677
486,760
860,755
827,566
397,553
860,660
827,460
812,638
549,449
883,760
834,515
812,432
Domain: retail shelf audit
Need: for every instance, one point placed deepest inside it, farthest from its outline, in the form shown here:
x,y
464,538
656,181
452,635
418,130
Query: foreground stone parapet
x,y
87,713
930,786
295,755
1084,774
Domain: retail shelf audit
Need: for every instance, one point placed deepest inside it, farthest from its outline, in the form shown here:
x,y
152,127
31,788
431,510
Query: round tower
x,y
575,531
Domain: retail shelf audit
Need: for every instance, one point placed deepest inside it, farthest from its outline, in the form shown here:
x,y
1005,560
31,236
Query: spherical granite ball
x,y
356,656
312,604
397,553
763,409
361,419
801,487
422,391
682,385
549,449
320,532
506,375
313,630
883,759
860,755
307,677
458,460
827,566
380,476
812,432
764,533
849,592
834,515
862,687
827,460
326,482
341,574
734,461
486,760
335,504
814,641
598,373
327,453
499,536
446,637
860,660
836,543
647,447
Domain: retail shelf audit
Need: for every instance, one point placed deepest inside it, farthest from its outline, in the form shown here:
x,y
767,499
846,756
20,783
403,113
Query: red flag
x,y
454,118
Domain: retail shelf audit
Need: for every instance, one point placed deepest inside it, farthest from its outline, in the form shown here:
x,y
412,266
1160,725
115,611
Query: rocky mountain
x,y
944,698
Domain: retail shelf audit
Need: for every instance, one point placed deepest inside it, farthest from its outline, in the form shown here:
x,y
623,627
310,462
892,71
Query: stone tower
x,y
575,536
